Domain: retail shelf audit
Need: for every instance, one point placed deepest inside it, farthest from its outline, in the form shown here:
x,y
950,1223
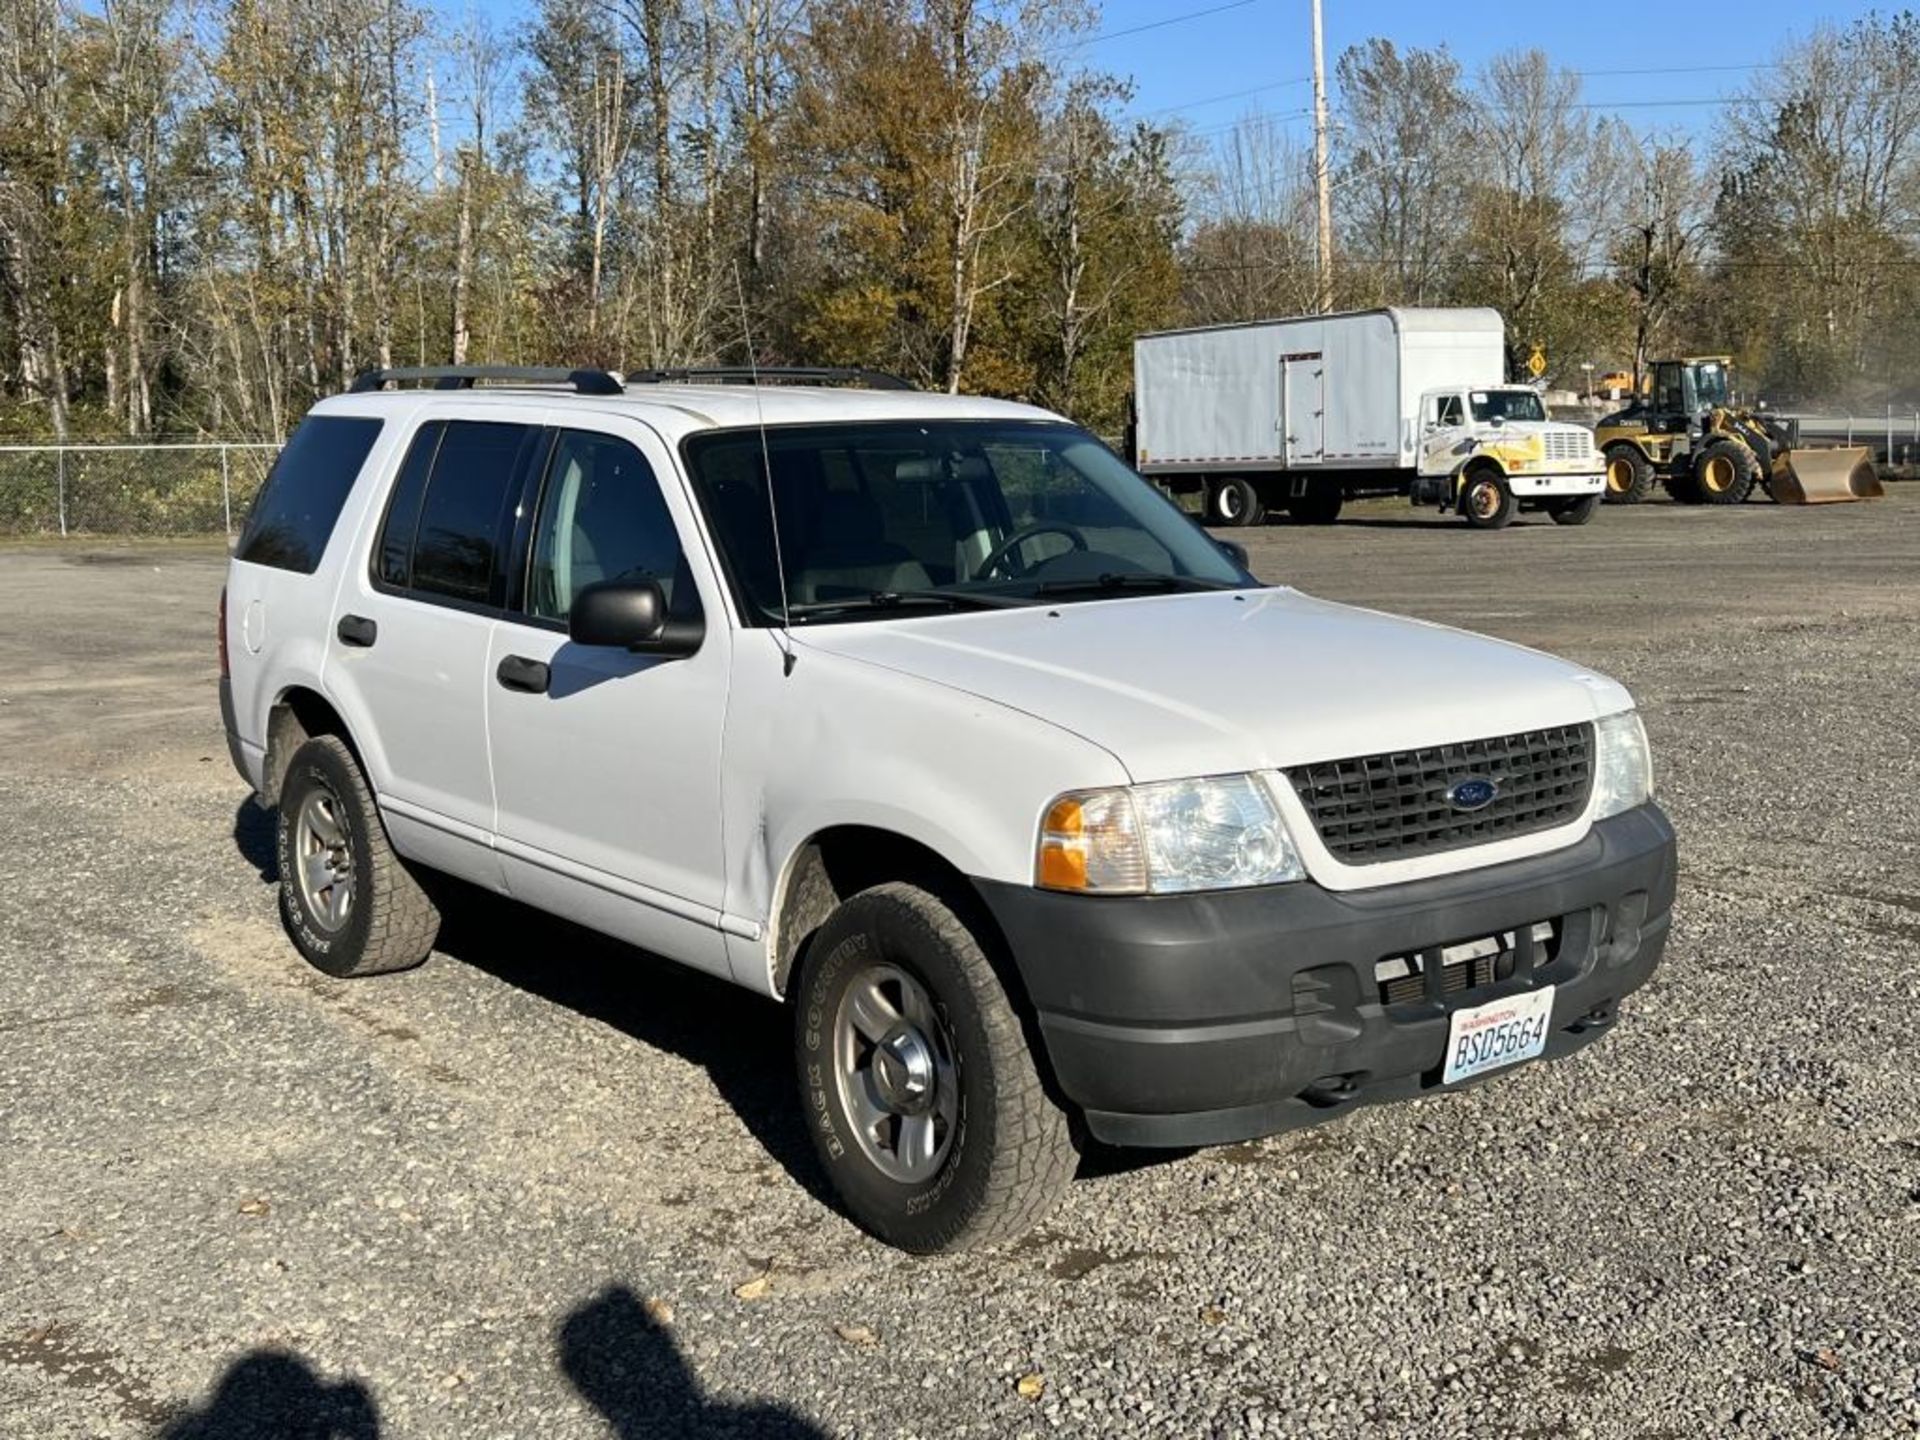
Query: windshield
x,y
1710,384
1507,405
876,519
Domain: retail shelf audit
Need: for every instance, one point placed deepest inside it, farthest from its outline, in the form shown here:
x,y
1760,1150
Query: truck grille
x,y
1393,806
1569,445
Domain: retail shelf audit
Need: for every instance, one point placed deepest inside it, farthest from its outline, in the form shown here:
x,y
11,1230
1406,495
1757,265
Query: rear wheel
x,y
347,900
1573,512
1234,501
923,1099
1629,474
1725,472
1486,500
1320,505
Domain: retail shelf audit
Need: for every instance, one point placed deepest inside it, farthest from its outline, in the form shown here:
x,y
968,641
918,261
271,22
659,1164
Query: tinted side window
x,y
393,561
294,514
602,517
466,518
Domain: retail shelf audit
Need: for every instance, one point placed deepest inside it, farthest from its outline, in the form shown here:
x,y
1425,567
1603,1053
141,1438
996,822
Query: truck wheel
x,y
1573,512
1725,473
1486,501
1629,474
923,1099
1234,501
1319,506
345,897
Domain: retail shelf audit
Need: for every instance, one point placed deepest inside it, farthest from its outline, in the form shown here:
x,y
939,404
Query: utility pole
x,y
1322,181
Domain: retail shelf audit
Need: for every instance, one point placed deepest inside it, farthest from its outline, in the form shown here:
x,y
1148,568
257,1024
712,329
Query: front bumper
x,y
1203,1019
1531,484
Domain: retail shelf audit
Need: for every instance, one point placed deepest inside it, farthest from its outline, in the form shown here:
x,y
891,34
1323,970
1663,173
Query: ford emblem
x,y
1472,794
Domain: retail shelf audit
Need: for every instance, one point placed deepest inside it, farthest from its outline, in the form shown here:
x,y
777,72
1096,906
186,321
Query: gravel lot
x,y
517,1192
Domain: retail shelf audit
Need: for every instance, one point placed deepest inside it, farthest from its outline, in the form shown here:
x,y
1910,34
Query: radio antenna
x,y
766,469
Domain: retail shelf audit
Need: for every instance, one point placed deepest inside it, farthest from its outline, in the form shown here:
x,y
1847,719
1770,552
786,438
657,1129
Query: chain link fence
x,y
186,488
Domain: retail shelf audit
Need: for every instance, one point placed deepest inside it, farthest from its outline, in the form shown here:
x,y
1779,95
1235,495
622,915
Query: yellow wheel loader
x,y
1687,433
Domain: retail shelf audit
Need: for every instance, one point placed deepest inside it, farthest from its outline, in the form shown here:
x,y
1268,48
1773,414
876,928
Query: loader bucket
x,y
1819,477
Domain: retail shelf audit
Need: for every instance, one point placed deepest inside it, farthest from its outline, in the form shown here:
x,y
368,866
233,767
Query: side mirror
x,y
1496,421
631,615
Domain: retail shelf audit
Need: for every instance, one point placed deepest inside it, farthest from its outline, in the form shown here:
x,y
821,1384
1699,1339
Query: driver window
x,y
1448,410
602,517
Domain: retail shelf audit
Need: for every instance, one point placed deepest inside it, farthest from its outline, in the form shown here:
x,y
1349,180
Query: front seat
x,y
848,554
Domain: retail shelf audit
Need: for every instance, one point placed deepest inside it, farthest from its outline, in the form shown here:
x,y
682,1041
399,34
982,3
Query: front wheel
x,y
1487,502
1573,512
924,1101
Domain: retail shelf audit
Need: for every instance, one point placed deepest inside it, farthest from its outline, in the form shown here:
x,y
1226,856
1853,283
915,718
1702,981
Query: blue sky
x,y
1246,57
1259,42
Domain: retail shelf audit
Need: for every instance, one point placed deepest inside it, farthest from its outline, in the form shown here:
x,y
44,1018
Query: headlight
x,y
1178,835
1623,768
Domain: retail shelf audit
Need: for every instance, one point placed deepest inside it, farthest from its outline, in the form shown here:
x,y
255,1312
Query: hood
x,y
1212,683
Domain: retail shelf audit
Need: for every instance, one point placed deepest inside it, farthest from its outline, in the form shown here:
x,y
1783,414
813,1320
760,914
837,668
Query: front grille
x,y
1392,806
1568,445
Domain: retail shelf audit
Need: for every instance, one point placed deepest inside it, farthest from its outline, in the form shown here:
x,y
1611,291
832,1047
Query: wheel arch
x,y
839,861
298,714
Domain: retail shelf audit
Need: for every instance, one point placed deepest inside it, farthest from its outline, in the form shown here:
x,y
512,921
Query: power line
x,y
1157,24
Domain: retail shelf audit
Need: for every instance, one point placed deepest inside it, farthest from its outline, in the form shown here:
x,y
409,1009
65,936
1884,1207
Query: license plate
x,y
1498,1034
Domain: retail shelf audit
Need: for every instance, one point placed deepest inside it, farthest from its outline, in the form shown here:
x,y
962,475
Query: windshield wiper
x,y
902,600
1113,583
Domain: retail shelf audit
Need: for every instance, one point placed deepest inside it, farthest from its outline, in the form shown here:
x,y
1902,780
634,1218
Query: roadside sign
x,y
1537,363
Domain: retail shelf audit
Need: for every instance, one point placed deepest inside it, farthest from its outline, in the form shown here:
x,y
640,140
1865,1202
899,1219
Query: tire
x,y
1725,472
998,1153
1486,500
1573,512
328,825
1319,506
1234,501
1629,474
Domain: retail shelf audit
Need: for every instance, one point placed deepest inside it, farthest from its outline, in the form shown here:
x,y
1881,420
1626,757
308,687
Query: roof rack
x,y
774,374
464,377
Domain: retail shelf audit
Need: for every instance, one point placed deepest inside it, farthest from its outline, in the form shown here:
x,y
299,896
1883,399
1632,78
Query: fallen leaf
x,y
1213,1315
856,1334
754,1289
254,1206
1031,1386
658,1311
1826,1359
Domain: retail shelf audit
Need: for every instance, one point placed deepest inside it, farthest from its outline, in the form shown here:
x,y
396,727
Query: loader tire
x,y
1725,472
1629,474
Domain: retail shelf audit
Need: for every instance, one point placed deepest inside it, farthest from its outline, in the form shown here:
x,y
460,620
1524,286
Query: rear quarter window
x,y
294,514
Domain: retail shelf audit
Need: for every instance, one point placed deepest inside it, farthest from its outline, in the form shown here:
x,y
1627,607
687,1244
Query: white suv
x,y
929,717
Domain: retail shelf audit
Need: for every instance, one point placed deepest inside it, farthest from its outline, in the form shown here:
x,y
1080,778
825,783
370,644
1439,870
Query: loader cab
x,y
1684,389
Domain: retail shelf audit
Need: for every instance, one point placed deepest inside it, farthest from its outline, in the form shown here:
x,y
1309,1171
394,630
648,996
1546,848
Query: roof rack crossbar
x,y
776,374
463,377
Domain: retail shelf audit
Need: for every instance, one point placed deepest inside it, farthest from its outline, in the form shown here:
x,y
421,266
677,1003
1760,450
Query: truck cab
x,y
1489,450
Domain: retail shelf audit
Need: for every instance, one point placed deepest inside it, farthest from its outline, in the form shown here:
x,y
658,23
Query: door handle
x,y
357,630
516,672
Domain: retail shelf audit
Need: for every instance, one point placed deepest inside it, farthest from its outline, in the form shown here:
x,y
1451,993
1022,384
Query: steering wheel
x,y
1003,552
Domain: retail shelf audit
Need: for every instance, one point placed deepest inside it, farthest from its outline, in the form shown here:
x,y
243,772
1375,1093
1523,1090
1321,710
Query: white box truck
x,y
1302,413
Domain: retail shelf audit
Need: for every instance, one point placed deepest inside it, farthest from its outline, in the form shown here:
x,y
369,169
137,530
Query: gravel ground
x,y
549,1187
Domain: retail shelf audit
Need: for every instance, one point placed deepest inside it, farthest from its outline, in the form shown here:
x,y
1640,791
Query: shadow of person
x,y
629,1369
272,1395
